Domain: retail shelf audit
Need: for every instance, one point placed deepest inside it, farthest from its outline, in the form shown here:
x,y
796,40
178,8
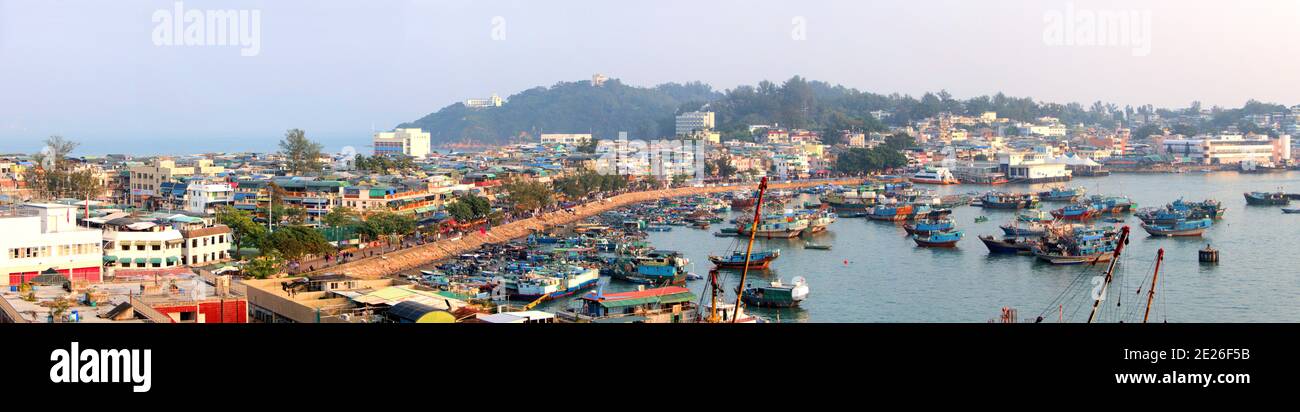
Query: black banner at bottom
x,y
149,362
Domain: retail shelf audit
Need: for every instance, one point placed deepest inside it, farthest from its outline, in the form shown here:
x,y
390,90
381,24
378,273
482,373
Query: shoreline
x,y
422,255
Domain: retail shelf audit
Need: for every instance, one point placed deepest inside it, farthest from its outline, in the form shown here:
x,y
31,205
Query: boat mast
x,y
1119,247
749,249
1151,294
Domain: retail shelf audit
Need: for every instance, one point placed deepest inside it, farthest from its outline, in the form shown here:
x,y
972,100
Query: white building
x,y
41,237
1228,149
204,244
206,198
1032,168
410,142
494,101
135,244
694,121
572,139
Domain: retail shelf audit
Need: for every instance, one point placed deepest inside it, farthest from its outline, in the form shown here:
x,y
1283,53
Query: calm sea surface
x,y
875,273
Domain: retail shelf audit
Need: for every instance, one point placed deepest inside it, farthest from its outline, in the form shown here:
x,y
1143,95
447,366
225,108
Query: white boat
x,y
934,176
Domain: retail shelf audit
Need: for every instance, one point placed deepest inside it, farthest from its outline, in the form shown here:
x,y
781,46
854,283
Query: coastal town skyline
x,y
447,52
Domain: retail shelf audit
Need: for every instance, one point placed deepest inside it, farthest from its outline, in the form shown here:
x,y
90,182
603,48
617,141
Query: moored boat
x,y
1062,194
777,294
928,226
658,267
1267,198
934,176
774,226
1001,200
938,239
1076,212
757,260
1078,245
1194,227
551,284
1007,244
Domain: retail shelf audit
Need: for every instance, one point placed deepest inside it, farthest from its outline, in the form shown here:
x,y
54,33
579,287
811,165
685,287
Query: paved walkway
x,y
395,261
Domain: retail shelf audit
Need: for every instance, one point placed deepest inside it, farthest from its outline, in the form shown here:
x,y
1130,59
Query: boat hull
x,y
1073,260
556,294
1002,246
1157,231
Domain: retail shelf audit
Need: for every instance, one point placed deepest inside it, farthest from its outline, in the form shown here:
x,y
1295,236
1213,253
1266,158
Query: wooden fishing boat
x,y
737,259
1007,245
938,239
1267,199
1180,228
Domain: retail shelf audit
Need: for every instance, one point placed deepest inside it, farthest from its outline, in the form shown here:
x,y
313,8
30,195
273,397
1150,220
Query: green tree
x,y
264,266
301,155
529,195
296,241
244,231
859,160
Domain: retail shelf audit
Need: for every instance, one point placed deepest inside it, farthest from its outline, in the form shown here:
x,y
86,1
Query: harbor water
x,y
875,273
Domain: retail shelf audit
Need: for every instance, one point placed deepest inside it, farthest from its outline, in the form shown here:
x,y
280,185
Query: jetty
x,y
423,255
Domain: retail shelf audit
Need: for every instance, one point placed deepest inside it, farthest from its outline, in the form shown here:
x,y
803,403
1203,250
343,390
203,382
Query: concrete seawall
x,y
410,259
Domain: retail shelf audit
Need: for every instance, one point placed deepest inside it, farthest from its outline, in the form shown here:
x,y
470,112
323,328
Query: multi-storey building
x,y
411,142
205,198
137,244
694,121
44,238
146,181
1228,149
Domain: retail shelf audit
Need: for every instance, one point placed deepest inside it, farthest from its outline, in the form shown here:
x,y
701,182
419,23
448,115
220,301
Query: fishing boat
x,y
1290,210
1194,227
1079,245
736,260
1182,210
1112,204
857,199
1034,216
818,220
1267,198
774,226
928,226
1062,194
1007,244
938,239
810,245
1076,212
890,212
658,267
1001,200
777,294
981,219
934,176
742,200
1023,229
551,284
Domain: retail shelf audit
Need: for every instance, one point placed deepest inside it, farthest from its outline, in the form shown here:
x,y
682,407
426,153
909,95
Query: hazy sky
x,y
90,70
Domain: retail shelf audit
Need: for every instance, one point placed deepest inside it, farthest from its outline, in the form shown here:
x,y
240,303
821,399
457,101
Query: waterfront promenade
x,y
418,256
